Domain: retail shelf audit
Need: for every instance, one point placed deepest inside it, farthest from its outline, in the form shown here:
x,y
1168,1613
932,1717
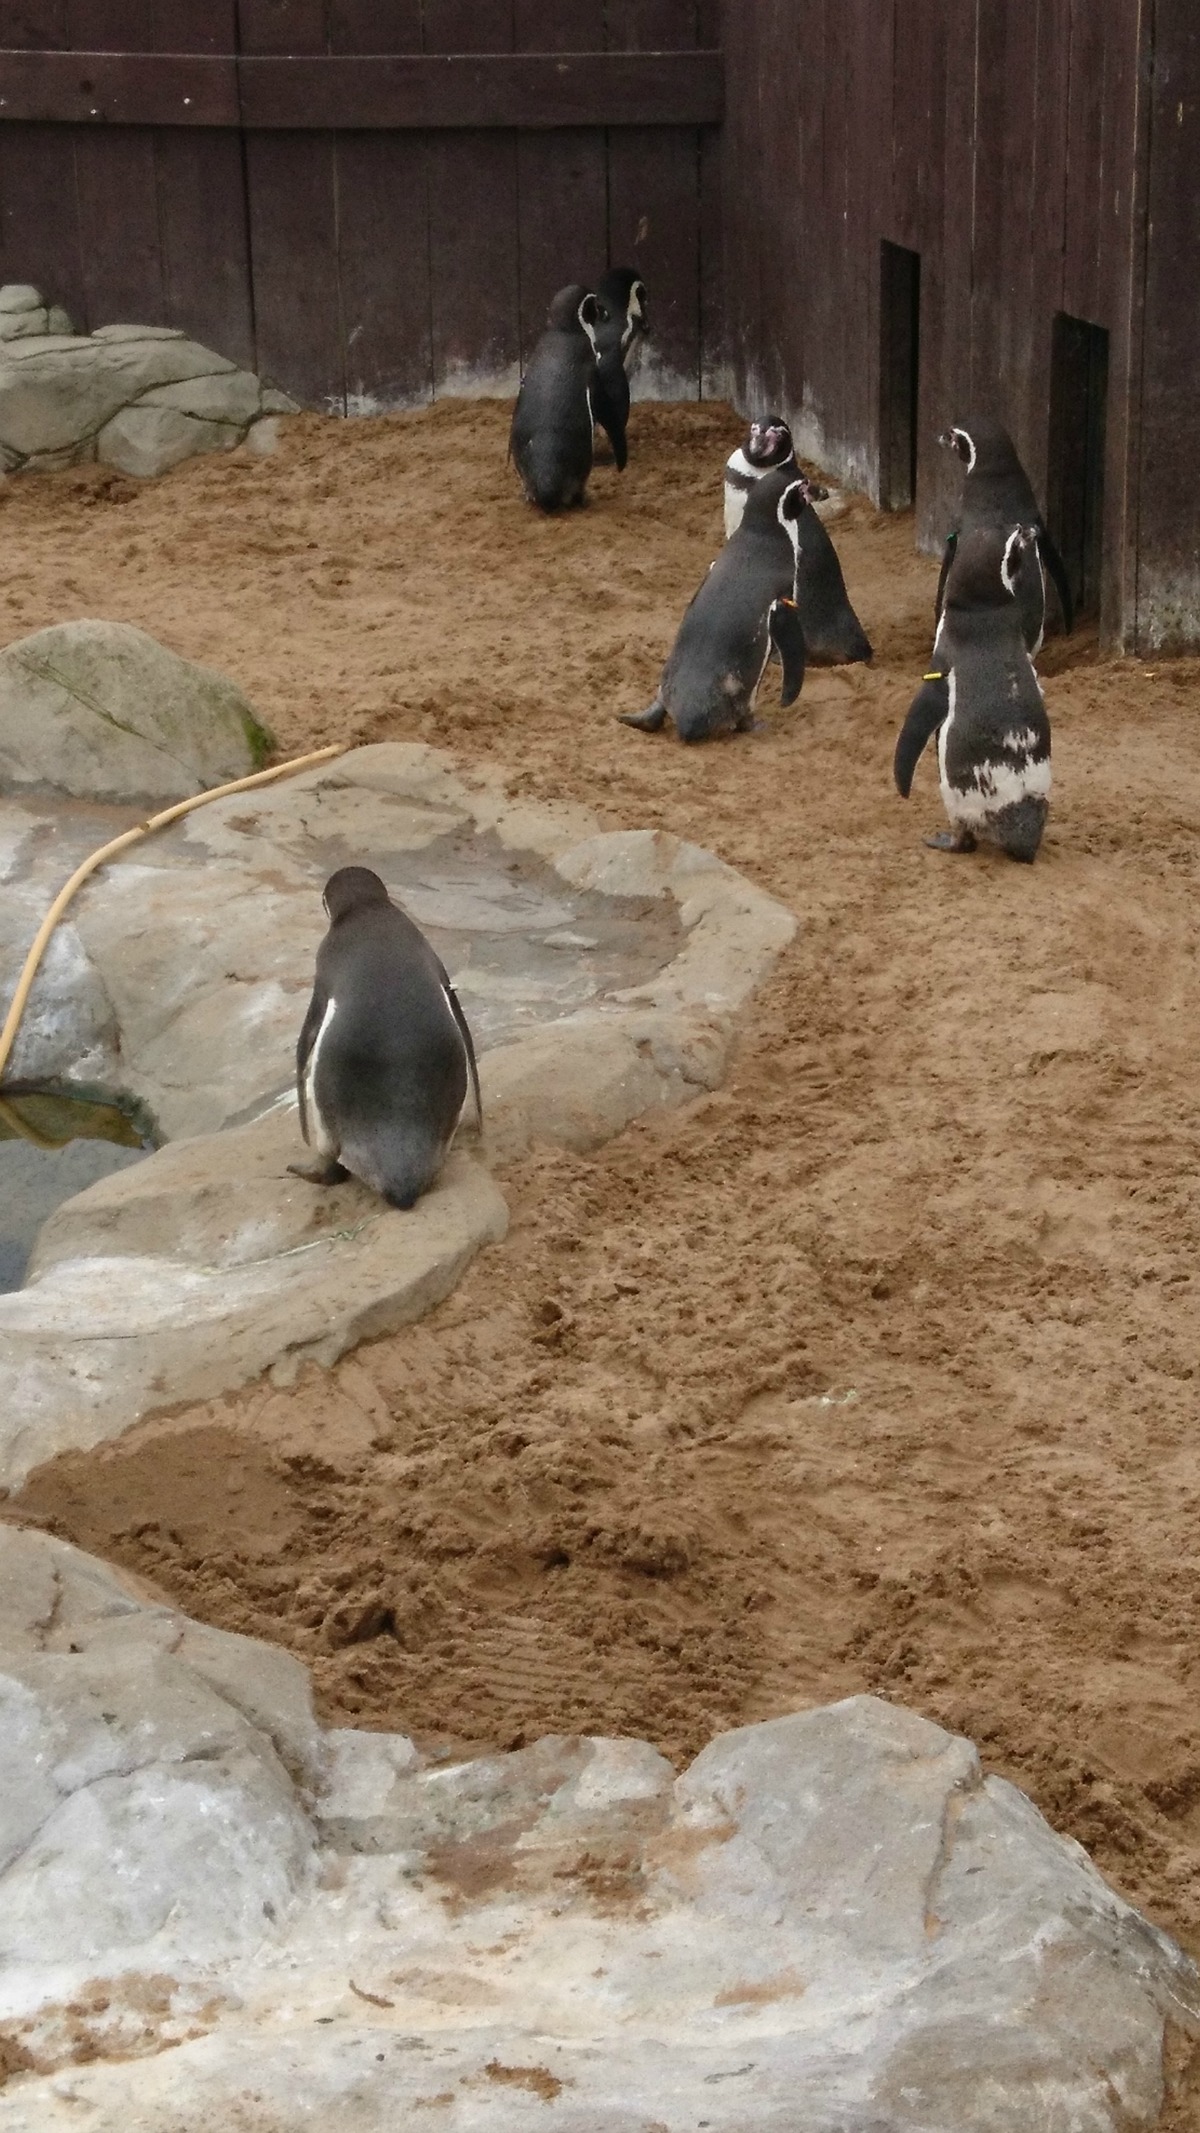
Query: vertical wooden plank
x,y
1125,240
1168,566
383,230
39,214
562,185
204,238
34,25
473,222
654,207
1083,283
291,181
714,373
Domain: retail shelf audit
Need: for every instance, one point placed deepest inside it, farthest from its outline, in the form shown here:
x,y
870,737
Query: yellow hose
x,y
8,1035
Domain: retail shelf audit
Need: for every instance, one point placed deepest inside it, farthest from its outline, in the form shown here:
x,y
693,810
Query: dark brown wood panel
x,y
562,176
473,221
150,26
1168,574
282,26
39,215
383,230
204,240
34,25
457,89
118,228
99,89
653,196
293,224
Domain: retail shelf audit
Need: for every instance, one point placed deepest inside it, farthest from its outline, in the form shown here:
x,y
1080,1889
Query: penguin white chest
x,y
325,1142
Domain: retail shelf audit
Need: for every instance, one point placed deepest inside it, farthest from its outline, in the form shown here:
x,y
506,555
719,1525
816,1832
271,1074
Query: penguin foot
x,y
951,841
330,1172
651,720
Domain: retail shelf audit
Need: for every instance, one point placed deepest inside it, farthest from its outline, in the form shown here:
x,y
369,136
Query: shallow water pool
x,y
51,1146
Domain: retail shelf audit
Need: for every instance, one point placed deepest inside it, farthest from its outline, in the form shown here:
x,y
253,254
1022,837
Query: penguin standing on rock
x,y
623,326
551,436
768,449
997,493
984,701
745,608
385,1055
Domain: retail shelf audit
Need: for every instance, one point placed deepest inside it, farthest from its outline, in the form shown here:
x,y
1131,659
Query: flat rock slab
x,y
602,973
832,1922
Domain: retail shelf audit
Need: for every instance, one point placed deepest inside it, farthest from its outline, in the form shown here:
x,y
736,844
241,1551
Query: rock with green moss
x,y
101,711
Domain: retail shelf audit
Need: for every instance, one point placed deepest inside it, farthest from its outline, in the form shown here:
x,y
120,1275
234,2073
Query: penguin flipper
x,y
786,633
925,714
1057,569
943,574
464,1031
651,720
304,1044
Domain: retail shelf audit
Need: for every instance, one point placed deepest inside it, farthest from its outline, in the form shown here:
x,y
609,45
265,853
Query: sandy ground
x,y
876,1369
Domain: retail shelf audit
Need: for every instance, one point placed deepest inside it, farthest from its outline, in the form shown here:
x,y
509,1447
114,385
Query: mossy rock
x,y
101,711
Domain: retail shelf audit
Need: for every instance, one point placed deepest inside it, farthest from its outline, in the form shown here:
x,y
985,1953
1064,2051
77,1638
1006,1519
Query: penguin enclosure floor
x,y
874,1370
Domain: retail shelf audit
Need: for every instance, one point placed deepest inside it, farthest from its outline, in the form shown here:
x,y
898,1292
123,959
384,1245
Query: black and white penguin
x,y
768,449
832,631
745,607
623,325
984,701
997,493
551,436
385,1055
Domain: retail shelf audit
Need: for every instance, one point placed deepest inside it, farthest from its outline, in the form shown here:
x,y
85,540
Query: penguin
x,y
385,1054
745,607
767,449
551,436
623,326
833,633
997,492
984,701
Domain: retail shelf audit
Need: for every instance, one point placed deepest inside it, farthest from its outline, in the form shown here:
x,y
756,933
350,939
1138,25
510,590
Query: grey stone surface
x,y
140,398
188,977
101,710
197,1270
145,440
832,1922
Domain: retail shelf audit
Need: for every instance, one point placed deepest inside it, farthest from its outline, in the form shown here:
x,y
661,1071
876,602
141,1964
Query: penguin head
x,y
350,889
769,442
984,446
987,562
575,310
623,294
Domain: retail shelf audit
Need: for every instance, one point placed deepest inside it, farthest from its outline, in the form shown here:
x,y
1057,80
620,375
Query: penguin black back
x,y
622,327
998,494
385,1056
983,699
743,610
551,436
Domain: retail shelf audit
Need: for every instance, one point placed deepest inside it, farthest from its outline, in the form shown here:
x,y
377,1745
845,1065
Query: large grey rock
x,y
144,441
140,1811
140,398
602,975
100,710
201,1268
833,1921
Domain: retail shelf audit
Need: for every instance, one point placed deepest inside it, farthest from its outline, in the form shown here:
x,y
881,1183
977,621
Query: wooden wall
x,y
1017,146
373,266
